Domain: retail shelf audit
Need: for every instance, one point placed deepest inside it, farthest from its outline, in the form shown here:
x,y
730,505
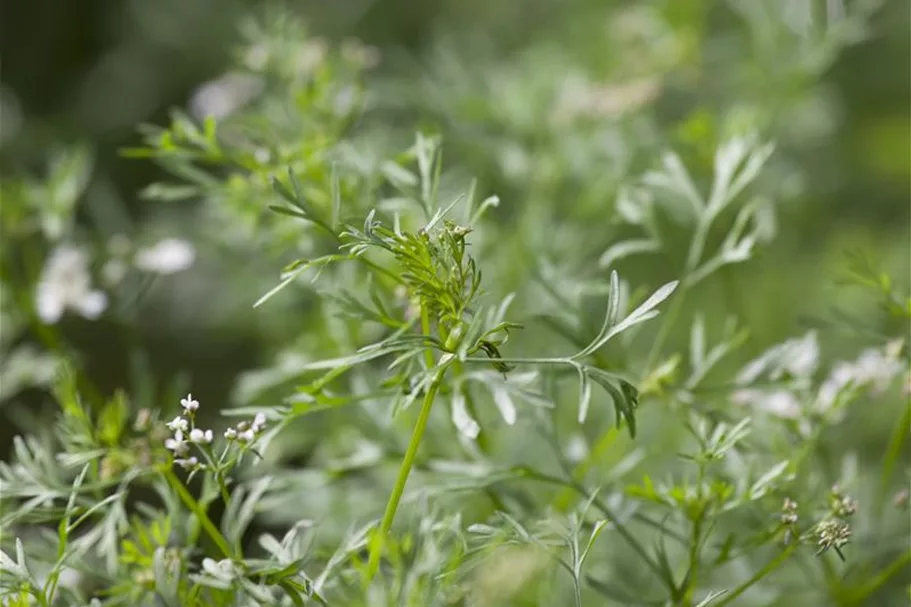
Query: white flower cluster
x,y
225,95
874,369
246,432
66,281
796,359
185,434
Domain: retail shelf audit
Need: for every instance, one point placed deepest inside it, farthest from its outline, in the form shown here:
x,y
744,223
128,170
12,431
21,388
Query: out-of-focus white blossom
x,y
167,256
117,266
256,57
231,433
583,99
360,54
576,449
780,403
65,283
311,55
223,96
875,369
797,357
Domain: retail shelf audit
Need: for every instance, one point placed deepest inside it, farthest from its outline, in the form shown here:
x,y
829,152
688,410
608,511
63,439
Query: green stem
x,y
190,502
894,452
771,566
692,575
884,575
392,505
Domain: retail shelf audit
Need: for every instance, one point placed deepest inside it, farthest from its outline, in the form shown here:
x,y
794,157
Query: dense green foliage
x,y
543,311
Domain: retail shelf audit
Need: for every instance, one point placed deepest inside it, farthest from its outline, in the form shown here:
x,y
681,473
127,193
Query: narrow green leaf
x,y
585,393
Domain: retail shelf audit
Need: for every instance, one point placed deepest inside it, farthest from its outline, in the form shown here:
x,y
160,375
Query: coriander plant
x,y
502,376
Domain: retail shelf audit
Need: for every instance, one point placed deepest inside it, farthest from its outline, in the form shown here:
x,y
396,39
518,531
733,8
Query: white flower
x,y
221,569
780,403
65,283
259,423
167,256
189,404
874,368
178,424
796,357
177,444
222,97
190,462
246,436
198,436
230,434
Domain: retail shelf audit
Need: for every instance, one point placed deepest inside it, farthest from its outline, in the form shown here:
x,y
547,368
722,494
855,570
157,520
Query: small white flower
x,y
177,444
65,283
189,404
167,256
178,424
246,436
259,423
230,434
198,436
187,464
222,97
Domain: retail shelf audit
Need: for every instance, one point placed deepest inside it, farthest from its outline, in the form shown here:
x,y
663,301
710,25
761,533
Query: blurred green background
x,y
90,71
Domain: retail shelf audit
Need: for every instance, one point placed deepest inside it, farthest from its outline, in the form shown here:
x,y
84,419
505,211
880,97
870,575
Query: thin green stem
x,y
392,505
692,574
883,576
193,505
522,361
425,329
894,451
771,566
